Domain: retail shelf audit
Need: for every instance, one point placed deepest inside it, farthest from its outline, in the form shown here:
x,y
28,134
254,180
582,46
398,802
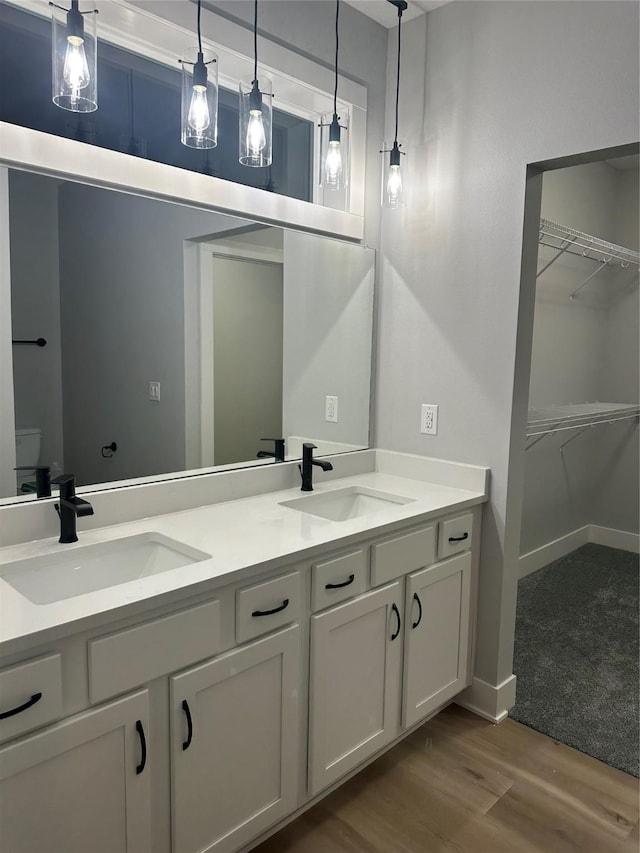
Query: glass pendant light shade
x,y
394,166
334,152
199,99
394,152
255,123
74,59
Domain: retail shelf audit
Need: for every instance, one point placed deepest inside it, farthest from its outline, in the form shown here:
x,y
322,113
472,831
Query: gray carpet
x,y
576,653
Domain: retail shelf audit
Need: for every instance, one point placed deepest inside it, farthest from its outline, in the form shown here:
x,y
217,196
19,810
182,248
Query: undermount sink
x,y
62,575
343,504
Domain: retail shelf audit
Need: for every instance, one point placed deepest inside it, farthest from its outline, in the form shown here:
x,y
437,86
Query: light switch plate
x,y
154,391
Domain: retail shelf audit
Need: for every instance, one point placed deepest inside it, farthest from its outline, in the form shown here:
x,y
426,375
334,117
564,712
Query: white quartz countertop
x,y
242,536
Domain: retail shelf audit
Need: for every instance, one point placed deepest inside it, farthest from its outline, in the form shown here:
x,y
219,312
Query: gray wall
x,y
328,304
487,88
584,350
122,298
247,357
35,309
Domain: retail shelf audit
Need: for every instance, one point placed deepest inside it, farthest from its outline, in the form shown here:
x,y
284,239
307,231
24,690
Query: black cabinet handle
x,y
28,704
185,707
340,585
459,538
419,619
143,747
397,612
283,606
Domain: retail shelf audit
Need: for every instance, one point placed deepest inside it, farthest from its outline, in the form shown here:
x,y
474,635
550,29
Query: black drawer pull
x,y
419,619
28,704
143,747
397,612
459,538
283,606
185,707
340,585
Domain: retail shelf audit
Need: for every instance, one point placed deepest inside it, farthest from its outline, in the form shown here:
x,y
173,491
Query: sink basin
x,y
343,504
55,577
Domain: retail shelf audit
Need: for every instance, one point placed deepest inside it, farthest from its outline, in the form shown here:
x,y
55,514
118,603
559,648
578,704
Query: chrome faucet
x,y
306,469
70,507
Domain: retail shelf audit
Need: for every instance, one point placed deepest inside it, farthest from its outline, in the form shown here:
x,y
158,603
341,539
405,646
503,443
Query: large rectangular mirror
x,y
177,339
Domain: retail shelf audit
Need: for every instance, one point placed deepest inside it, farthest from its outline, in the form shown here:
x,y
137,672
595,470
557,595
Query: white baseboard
x,y
492,702
545,554
614,538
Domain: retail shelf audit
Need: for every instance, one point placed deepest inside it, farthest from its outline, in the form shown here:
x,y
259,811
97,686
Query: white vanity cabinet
x,y
234,744
79,785
388,658
436,637
354,683
204,723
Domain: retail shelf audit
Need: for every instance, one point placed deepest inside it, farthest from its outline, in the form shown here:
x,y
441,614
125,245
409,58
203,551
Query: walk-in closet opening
x,y
576,643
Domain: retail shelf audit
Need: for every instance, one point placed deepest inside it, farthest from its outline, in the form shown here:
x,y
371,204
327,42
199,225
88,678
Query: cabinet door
x,y
436,636
354,700
75,787
234,725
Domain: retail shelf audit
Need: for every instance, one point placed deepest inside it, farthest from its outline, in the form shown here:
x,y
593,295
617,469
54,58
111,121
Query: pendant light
x,y
334,149
255,113
74,58
199,96
393,194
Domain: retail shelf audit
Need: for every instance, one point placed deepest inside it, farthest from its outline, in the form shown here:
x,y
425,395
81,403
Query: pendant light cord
x,y
335,88
199,33
255,42
395,138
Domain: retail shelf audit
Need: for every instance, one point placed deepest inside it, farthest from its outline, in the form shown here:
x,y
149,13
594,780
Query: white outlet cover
x,y
331,409
429,419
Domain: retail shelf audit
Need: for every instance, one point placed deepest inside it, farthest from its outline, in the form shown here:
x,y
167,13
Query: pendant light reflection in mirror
x,y
199,95
74,58
334,140
393,192
255,113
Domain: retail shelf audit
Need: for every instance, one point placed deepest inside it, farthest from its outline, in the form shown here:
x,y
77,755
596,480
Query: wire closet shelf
x,y
566,240
580,416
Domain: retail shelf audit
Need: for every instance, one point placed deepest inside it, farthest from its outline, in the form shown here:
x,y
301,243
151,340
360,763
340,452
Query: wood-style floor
x,y
462,785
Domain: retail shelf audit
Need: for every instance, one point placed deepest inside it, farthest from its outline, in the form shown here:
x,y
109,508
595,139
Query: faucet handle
x,y
63,480
67,483
309,446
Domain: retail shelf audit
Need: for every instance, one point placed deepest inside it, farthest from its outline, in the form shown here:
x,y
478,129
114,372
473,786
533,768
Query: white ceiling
x,y
384,13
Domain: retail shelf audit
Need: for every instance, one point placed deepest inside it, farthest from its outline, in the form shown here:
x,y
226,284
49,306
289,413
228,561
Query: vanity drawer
x,y
395,557
454,535
118,662
333,581
30,695
266,606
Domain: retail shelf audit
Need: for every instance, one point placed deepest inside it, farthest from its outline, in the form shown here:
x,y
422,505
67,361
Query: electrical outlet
x,y
154,391
429,419
331,409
